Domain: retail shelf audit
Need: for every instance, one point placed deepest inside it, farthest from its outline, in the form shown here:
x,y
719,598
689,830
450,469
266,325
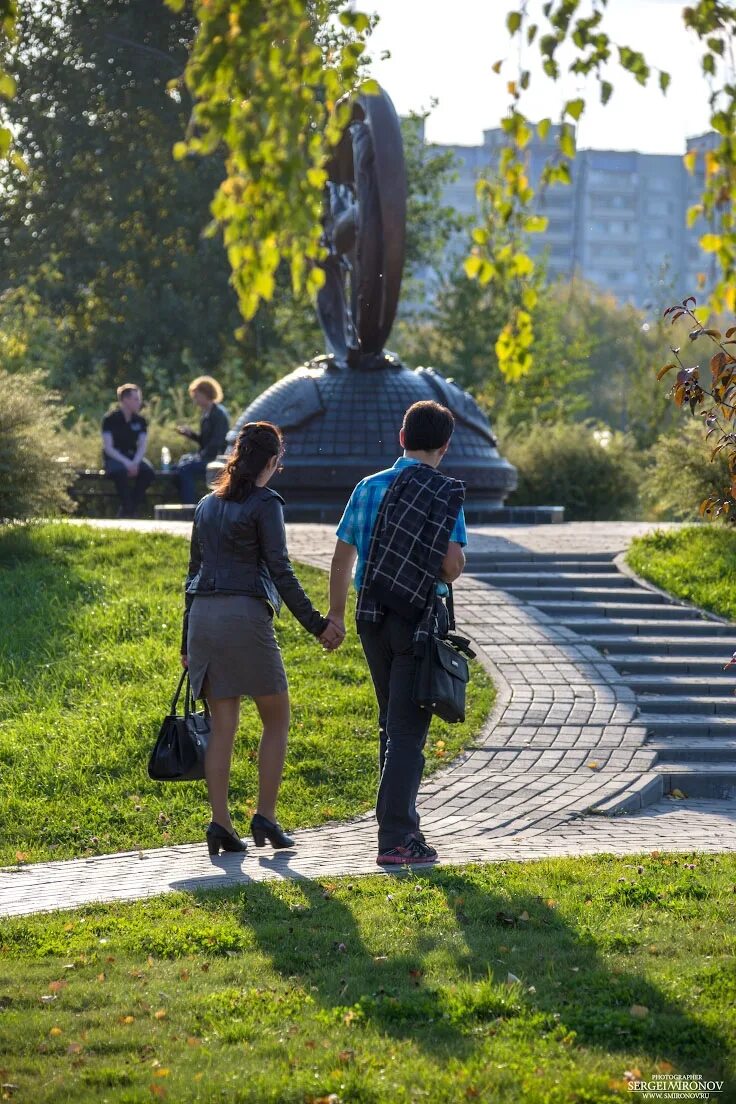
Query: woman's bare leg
x,y
275,715
225,719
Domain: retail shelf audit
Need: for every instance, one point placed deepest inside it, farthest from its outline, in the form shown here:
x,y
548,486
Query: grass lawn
x,y
88,663
697,563
383,990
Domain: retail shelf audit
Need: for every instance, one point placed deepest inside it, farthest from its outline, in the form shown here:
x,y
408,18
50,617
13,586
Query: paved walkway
x,y
564,740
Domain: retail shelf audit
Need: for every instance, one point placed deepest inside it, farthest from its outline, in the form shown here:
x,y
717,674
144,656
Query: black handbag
x,y
442,673
178,754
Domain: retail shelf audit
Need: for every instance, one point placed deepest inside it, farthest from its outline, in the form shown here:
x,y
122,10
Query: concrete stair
x,y
670,654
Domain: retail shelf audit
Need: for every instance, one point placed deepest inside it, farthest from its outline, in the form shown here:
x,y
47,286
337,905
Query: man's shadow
x,y
572,993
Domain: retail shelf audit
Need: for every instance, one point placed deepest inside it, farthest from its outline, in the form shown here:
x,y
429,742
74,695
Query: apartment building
x,y
620,223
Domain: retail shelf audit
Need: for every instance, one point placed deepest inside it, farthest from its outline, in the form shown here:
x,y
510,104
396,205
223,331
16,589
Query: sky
x,y
445,50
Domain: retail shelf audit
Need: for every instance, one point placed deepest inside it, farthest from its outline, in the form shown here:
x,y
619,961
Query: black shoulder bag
x,y
178,754
442,673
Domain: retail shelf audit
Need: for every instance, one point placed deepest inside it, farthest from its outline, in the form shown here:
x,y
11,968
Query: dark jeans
x,y
188,471
130,491
403,727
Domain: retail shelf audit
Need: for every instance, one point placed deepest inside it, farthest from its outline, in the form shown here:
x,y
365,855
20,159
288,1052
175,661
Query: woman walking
x,y
239,572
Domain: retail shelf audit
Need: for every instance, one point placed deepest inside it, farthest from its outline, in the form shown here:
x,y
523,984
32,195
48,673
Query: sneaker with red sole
x,y
412,851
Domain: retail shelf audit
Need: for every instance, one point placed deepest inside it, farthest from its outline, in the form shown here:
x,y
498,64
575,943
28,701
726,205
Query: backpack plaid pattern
x,y
409,542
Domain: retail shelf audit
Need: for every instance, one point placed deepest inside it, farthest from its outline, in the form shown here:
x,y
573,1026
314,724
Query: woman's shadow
x,y
385,976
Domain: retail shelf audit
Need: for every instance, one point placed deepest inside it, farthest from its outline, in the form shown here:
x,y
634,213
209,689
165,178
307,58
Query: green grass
x,y
382,990
88,664
697,563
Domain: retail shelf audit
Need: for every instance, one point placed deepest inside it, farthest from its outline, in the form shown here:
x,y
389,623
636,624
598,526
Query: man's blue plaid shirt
x,y
356,524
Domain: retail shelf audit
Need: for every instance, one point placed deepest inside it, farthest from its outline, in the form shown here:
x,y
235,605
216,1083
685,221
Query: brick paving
x,y
564,749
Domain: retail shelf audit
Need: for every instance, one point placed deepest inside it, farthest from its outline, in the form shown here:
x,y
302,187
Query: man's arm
x,y
453,563
109,449
341,573
140,451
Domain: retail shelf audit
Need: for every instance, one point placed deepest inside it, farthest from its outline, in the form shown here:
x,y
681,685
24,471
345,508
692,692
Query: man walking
x,y
124,439
406,528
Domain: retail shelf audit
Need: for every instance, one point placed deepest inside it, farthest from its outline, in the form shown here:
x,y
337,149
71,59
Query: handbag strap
x,y
450,602
174,703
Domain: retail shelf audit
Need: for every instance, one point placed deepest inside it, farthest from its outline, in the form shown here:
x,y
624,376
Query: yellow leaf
x,y
593,764
711,243
161,1014
127,1019
690,158
55,1031
163,1072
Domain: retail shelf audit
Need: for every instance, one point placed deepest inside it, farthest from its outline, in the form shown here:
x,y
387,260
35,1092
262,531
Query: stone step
x,y
719,706
636,663
695,725
622,621
720,685
594,595
625,612
531,580
688,646
706,752
714,780
594,628
586,561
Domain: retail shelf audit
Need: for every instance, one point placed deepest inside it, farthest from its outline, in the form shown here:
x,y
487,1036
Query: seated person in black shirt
x,y
124,435
206,393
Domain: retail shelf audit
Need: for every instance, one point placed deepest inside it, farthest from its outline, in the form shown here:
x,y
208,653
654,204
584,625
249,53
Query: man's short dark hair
x,y
126,389
427,426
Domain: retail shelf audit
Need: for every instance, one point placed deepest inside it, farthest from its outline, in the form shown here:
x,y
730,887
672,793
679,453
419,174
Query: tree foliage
x,y
105,227
715,404
8,16
578,26
271,82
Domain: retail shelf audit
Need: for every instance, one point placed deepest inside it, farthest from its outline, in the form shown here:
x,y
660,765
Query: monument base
x,y
328,515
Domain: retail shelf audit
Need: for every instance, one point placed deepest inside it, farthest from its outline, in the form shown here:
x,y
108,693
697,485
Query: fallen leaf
x,y
632,1075
163,1072
193,1041
101,977
593,764
127,1019
74,1048
654,854
55,1031
184,975
158,1090
56,986
21,856
677,794
160,1014
524,916
639,1011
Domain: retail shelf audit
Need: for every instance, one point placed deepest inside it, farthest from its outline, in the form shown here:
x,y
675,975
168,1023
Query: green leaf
x,y
7,86
693,214
566,142
513,22
357,21
543,128
472,266
664,81
606,91
574,108
535,224
370,88
711,243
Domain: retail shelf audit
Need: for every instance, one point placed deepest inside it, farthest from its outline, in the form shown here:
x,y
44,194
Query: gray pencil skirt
x,y
232,648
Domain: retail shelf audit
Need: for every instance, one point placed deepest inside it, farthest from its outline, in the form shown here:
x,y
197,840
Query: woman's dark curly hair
x,y
256,444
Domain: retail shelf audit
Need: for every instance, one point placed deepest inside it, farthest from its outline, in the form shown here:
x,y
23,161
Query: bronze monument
x,y
341,412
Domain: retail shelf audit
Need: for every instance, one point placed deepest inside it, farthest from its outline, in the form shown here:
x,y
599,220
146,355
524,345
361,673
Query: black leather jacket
x,y
240,548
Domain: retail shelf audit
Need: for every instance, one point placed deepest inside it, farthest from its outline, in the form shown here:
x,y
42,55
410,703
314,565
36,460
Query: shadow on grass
x,y
41,596
565,990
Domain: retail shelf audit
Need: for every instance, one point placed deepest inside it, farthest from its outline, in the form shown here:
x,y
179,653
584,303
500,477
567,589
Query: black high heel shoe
x,y
263,830
219,839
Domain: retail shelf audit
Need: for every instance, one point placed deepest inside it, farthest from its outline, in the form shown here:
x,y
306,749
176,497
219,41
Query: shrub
x,y
680,474
591,471
33,482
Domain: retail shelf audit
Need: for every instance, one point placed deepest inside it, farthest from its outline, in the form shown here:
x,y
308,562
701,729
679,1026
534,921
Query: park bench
x,y
95,495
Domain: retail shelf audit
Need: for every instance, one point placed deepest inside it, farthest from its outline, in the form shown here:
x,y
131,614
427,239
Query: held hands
x,y
334,634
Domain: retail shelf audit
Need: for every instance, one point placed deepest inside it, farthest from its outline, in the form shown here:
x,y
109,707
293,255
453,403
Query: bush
x,y
591,471
33,482
680,474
